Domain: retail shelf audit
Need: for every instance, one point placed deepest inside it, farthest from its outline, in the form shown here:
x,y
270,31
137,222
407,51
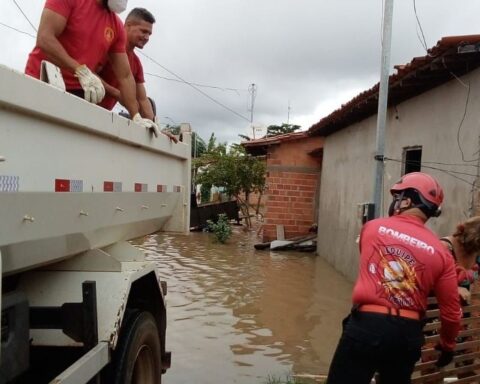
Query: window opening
x,y
412,160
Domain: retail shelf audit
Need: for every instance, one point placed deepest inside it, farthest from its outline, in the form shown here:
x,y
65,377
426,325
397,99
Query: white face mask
x,y
117,6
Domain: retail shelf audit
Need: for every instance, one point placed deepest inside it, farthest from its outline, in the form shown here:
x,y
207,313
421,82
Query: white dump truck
x,y
78,302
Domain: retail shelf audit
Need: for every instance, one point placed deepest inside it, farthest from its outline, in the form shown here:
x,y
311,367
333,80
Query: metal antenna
x,y
252,89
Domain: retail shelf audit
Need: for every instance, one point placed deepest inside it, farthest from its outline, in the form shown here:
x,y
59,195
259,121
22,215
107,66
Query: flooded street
x,y
237,315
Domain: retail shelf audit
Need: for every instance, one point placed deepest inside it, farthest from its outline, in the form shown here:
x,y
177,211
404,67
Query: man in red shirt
x,y
79,36
138,28
401,262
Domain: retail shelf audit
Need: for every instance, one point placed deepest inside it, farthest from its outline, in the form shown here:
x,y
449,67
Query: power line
x,y
193,85
17,30
196,88
451,164
448,172
26,17
196,84
467,101
424,42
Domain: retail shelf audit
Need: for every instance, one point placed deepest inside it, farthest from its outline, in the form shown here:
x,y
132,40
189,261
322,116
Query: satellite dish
x,y
256,131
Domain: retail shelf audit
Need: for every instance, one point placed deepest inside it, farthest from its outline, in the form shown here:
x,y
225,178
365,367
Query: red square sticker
x,y
62,185
108,186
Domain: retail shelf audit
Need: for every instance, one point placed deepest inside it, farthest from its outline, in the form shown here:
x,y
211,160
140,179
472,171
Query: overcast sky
x,y
313,55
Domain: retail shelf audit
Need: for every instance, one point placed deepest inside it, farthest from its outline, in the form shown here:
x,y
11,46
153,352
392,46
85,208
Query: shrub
x,y
221,228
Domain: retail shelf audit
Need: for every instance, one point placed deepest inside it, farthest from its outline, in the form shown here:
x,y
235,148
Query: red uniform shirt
x,y
90,34
109,77
401,262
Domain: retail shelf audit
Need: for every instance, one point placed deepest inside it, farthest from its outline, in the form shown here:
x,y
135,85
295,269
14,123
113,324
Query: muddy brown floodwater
x,y
237,315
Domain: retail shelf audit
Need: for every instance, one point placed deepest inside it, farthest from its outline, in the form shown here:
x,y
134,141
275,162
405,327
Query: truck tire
x,y
137,359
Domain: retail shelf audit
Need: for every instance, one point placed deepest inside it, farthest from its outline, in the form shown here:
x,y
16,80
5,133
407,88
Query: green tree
x,y
244,137
274,130
234,170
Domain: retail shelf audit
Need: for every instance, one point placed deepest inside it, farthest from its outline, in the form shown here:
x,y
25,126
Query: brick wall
x,y
293,178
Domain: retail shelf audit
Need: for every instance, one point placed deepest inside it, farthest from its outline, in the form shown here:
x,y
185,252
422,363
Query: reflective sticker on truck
x,y
112,186
139,187
65,185
9,183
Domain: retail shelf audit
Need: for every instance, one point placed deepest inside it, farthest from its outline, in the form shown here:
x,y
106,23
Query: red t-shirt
x,y
90,34
401,262
109,77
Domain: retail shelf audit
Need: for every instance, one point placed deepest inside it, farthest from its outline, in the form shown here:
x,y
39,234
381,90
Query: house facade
x,y
433,125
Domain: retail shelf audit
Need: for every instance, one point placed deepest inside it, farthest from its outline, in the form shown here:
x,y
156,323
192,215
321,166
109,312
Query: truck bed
x,y
75,177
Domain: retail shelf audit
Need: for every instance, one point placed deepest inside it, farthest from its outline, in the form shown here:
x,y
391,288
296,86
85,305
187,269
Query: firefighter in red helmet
x,y
401,262
424,191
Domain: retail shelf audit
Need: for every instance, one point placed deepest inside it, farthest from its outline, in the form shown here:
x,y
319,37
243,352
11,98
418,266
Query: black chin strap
x,y
428,209
395,205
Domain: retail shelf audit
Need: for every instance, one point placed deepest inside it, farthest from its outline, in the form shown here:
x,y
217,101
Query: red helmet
x,y
427,187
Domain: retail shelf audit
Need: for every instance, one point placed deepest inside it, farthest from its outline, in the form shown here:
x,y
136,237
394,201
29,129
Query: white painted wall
x,y
431,120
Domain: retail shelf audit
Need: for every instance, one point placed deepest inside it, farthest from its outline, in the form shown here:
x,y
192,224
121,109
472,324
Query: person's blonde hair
x,y
468,234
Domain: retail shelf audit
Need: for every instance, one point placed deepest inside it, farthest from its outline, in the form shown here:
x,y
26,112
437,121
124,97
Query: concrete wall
x,y
293,178
430,120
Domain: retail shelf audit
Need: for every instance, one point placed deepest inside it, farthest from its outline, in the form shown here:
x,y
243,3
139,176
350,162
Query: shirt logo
x,y
410,240
109,34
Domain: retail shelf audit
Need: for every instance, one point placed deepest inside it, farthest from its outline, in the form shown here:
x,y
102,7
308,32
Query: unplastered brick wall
x,y
292,186
291,203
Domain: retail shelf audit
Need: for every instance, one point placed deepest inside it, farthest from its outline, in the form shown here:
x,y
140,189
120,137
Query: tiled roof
x,y
275,139
452,56
259,146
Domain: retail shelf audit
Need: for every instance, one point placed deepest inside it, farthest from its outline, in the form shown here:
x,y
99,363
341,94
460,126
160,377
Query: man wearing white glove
x,y
138,28
92,85
79,37
146,123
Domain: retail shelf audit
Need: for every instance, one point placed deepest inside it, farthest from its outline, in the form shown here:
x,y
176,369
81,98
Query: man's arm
x,y
111,90
146,109
128,94
448,301
121,68
51,26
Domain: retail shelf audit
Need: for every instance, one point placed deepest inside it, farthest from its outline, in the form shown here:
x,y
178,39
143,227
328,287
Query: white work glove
x,y
148,124
91,84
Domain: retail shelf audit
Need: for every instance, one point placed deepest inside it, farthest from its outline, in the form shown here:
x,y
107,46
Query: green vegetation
x,y
221,228
274,130
233,170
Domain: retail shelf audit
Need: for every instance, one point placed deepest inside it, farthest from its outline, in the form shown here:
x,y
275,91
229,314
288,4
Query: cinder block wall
x,y
293,181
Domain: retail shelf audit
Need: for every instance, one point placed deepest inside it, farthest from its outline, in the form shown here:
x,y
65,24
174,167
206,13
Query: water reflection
x,y
237,315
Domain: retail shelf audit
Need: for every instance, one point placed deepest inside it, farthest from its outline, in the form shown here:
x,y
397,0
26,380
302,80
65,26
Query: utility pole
x,y
382,106
252,89
288,113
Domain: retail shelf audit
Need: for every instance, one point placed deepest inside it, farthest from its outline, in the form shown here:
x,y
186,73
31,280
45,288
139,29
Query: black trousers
x,y
372,342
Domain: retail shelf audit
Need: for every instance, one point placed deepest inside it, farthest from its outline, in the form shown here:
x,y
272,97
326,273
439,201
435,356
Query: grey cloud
x,y
307,52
